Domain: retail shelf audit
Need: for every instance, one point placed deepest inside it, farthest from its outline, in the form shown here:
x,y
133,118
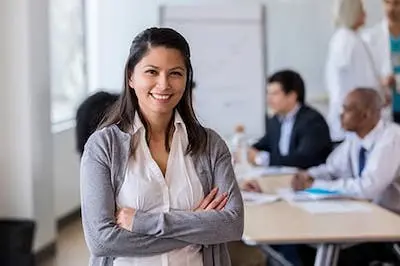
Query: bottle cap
x,y
239,129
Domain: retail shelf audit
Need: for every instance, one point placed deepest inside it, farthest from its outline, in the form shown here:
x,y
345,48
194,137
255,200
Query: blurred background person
x,y
89,115
298,135
349,64
384,42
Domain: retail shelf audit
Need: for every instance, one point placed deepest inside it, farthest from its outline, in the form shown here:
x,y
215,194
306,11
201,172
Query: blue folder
x,y
321,191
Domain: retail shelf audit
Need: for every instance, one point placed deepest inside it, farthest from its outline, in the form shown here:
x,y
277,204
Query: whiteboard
x,y
228,57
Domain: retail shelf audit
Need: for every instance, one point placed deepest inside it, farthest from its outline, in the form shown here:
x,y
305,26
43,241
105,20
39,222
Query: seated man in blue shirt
x,y
297,135
366,165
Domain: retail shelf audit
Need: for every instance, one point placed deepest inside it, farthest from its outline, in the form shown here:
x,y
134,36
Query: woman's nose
x,y
163,82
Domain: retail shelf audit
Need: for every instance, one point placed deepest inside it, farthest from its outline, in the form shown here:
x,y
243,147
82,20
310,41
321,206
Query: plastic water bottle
x,y
239,152
239,146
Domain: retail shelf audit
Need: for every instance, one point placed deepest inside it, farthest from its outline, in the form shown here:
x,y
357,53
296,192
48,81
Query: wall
x,y
113,25
26,180
66,173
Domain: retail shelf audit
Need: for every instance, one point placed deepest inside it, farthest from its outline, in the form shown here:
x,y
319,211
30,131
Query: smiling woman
x,y
159,88
156,185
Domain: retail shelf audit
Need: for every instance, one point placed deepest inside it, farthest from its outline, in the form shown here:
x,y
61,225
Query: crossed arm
x,y
156,233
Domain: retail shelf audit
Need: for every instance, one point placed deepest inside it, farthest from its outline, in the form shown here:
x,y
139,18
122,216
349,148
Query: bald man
x,y
366,165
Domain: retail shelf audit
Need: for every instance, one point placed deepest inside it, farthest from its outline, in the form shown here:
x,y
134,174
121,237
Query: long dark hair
x,y
123,112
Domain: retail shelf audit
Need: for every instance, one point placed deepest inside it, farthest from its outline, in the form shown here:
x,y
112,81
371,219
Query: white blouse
x,y
146,189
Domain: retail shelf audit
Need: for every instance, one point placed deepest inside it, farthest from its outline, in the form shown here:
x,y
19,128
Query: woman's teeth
x,y
160,96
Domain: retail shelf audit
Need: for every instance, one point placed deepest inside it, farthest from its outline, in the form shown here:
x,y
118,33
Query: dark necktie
x,y
362,157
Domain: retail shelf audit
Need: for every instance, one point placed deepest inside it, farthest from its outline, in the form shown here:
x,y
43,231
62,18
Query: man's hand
x,y
213,202
387,84
302,180
252,155
388,81
125,218
387,92
251,185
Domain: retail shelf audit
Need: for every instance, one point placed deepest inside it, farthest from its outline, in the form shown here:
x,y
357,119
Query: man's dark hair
x,y
89,115
290,81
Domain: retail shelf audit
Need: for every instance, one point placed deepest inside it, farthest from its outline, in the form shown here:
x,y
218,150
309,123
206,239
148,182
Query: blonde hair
x,y
347,12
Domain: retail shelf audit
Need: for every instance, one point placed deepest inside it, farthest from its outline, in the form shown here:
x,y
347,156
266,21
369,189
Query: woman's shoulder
x,y
342,47
215,143
375,32
212,136
344,39
104,137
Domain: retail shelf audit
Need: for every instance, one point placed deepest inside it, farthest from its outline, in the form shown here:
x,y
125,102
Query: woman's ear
x,y
131,83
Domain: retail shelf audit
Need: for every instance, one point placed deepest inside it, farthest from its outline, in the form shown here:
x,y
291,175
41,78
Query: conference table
x,y
283,222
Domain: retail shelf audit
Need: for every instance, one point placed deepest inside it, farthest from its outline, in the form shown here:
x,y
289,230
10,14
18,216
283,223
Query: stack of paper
x,y
257,171
342,206
258,198
309,194
281,170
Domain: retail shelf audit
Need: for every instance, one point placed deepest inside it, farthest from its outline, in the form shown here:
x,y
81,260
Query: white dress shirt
x,y
380,178
287,123
146,189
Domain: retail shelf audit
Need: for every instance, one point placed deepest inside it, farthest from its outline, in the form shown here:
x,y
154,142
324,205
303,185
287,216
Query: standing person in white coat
x,y
384,42
349,63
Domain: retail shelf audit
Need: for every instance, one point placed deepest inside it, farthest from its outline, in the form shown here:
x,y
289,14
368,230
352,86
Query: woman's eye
x,y
176,73
151,72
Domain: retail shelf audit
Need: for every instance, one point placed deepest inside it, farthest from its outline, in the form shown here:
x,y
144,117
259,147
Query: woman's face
x,y
159,80
392,10
361,17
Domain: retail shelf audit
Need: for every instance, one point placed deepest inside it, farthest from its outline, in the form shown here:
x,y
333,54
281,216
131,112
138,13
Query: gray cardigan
x,y
103,166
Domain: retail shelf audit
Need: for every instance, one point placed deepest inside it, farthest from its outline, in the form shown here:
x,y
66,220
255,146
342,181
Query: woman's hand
x,y
212,202
125,218
251,186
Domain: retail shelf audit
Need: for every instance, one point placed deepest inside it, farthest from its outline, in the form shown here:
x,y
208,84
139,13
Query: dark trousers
x,y
357,255
396,117
290,253
364,254
296,254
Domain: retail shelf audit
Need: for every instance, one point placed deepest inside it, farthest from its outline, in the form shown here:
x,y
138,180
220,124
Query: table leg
x,y
277,257
327,255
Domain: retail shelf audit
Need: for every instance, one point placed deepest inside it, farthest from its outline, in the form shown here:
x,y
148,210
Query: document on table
x,y
325,207
258,171
310,195
258,198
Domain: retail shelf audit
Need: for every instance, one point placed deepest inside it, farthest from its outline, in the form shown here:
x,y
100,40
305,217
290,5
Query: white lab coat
x,y
377,39
349,65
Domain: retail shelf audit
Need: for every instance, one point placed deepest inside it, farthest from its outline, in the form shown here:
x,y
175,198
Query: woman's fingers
x,y
208,199
124,218
213,204
221,206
